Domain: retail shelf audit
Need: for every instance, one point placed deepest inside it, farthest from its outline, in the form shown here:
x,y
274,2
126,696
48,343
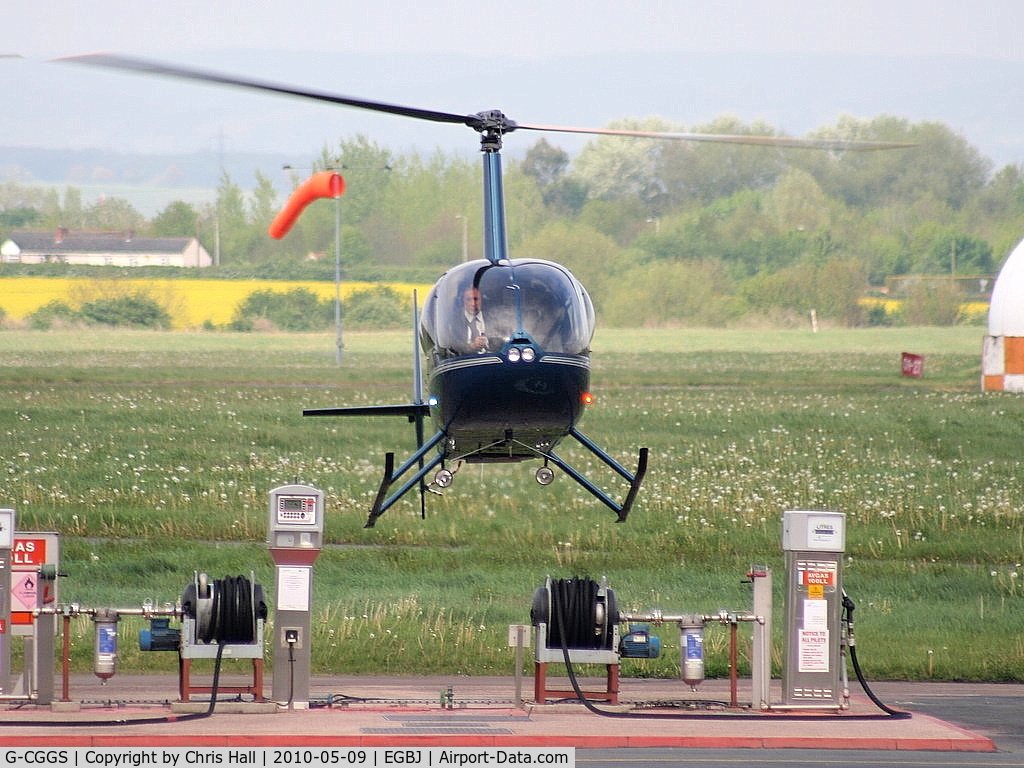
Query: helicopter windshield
x,y
522,300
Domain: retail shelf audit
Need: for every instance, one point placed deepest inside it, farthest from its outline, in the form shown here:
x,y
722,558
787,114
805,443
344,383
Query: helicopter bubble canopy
x,y
523,301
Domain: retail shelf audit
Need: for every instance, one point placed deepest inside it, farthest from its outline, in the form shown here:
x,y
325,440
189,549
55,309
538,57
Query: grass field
x,y
152,454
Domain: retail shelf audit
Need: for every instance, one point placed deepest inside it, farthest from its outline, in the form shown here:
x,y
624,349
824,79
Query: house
x,y
118,249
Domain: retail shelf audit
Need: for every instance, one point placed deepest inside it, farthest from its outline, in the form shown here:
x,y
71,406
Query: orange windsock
x,y
323,184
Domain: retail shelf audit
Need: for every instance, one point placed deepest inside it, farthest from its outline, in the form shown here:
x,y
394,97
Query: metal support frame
x,y
186,689
761,647
191,649
541,692
544,656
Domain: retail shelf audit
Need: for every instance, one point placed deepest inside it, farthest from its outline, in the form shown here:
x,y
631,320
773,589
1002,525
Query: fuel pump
x,y
6,543
295,530
35,567
813,542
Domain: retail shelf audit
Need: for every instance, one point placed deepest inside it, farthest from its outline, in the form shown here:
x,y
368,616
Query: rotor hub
x,y
492,125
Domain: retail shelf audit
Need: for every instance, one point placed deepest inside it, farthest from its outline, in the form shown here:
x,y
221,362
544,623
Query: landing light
x,y
545,475
587,398
443,478
526,354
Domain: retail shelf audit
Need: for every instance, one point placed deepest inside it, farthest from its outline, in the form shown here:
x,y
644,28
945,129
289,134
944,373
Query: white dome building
x,y
1002,359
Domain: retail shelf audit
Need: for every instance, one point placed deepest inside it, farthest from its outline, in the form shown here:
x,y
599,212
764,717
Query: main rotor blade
x,y
728,138
145,66
492,121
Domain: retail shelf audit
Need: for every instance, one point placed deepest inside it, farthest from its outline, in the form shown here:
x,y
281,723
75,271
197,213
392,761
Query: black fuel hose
x,y
851,643
134,720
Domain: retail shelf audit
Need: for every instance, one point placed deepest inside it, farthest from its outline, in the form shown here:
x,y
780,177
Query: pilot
x,y
475,334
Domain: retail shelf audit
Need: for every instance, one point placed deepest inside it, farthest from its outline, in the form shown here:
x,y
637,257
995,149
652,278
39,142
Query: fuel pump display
x,y
296,518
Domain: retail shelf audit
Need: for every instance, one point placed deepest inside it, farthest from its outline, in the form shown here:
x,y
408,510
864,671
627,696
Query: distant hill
x,y
98,167
148,182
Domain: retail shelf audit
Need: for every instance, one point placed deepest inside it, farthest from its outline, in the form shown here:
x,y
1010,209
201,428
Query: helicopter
x,y
517,386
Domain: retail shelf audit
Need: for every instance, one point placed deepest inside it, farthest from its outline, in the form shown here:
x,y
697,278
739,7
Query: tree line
x,y
660,232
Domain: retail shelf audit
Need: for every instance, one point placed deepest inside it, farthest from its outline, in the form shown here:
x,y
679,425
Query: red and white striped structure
x,y
1002,357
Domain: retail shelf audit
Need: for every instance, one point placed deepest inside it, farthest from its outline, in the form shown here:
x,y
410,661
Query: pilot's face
x,y
471,301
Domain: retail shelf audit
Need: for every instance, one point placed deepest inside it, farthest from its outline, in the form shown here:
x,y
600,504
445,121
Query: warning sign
x,y
23,590
813,650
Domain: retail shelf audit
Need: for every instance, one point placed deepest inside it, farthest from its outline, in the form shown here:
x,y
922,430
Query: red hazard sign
x,y
28,552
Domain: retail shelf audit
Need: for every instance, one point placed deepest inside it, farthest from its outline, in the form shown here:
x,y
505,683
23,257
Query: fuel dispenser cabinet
x,y
814,543
295,530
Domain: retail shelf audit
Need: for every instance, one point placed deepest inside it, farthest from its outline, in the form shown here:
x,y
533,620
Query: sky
x,y
467,55
525,28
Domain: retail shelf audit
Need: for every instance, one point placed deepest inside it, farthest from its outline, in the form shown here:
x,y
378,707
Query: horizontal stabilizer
x,y
410,410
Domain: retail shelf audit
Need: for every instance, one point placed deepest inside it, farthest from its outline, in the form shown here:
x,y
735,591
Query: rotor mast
x,y
492,126
495,240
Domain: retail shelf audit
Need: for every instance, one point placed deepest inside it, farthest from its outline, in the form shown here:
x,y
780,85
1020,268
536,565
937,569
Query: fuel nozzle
x,y
848,607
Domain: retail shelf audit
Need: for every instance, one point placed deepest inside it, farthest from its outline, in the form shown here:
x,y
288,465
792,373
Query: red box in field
x,y
913,365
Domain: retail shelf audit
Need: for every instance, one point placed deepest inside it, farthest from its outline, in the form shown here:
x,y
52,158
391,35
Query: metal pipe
x,y
337,280
67,611
76,610
65,659
733,697
656,617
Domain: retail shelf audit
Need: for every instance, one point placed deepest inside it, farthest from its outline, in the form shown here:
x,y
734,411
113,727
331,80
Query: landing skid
x,y
382,504
383,501
634,480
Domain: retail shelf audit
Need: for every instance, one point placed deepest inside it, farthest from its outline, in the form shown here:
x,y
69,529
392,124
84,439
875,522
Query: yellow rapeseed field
x,y
191,303
971,312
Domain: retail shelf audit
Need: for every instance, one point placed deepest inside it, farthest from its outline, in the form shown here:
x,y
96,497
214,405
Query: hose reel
x,y
582,608
228,611
579,614
575,621
222,618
